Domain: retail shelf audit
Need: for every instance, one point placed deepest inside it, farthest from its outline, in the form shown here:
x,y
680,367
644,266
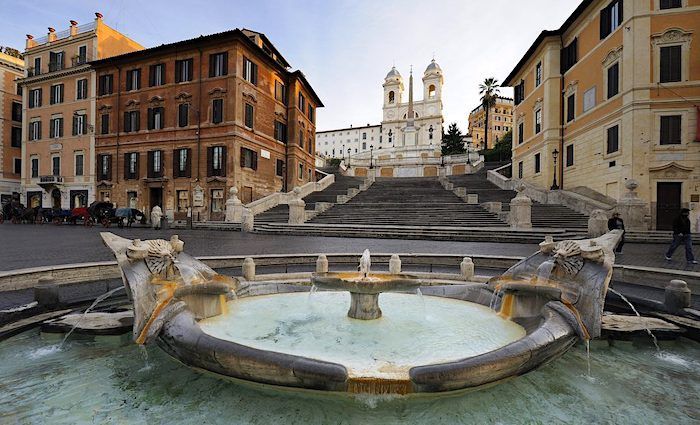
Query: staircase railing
x,y
283,198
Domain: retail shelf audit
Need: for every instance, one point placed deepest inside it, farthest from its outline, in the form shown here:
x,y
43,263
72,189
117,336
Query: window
x,y
279,168
82,55
537,163
156,118
364,145
569,56
302,102
35,130
106,84
538,74
105,167
280,92
37,66
216,161
156,75
133,79
431,91
589,99
249,159
132,121
56,166
155,164
520,170
131,166
613,80
183,70
79,164
104,124
81,89
538,121
570,107
301,138
311,113
79,124
16,140
570,155
16,111
391,96
669,4
301,172
35,167
249,113
56,94
519,92
218,64
17,166
670,130
183,114
281,132
217,111
250,71
56,61
182,163
183,201
521,131
670,64
610,18
56,128
35,98
613,140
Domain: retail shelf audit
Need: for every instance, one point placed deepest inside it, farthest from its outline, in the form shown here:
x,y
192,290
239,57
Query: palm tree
x,y
489,93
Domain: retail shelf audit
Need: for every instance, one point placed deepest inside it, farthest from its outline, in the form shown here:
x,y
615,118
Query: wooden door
x,y
668,204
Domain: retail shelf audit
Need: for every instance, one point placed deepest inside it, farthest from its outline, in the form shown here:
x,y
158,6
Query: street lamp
x,y
469,147
371,147
349,150
391,139
342,151
555,154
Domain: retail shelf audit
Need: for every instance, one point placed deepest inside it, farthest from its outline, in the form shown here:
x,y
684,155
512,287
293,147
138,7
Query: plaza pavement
x,y
23,246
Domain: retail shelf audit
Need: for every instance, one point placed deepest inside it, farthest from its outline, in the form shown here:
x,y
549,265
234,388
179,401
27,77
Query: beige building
x,y
58,142
11,69
615,93
500,122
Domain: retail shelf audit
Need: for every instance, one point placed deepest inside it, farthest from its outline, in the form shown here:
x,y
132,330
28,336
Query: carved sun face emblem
x,y
160,256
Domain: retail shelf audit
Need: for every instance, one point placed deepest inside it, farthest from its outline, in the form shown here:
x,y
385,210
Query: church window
x,y
391,97
431,91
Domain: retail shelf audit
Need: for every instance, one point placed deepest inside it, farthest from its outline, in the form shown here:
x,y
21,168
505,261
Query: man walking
x,y
681,235
617,223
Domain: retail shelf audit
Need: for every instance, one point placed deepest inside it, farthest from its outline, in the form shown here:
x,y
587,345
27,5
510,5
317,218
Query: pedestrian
x,y
617,223
682,235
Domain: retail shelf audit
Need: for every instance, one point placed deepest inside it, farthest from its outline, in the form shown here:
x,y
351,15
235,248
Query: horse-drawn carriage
x,y
16,212
106,214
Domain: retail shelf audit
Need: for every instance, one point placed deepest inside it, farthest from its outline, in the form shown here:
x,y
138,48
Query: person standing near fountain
x,y
682,235
617,223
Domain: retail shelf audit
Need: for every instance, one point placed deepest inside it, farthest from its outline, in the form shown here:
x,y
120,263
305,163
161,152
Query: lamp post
x,y
555,186
469,147
349,150
342,151
371,147
391,139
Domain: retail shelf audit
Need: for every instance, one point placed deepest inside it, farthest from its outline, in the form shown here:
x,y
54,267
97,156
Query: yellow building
x,y
500,122
59,92
11,70
615,92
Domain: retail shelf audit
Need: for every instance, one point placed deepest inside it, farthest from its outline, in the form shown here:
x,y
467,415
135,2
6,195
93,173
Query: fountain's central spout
x,y
365,263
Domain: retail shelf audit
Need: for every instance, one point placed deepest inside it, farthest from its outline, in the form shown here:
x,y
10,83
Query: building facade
x,y
58,137
180,124
500,122
11,70
612,96
345,142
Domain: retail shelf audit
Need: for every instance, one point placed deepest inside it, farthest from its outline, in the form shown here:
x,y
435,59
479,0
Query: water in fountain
x,y
189,274
651,334
89,309
422,302
495,296
144,354
544,272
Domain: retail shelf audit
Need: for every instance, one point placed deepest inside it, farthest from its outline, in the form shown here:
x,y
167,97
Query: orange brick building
x,y
180,124
11,70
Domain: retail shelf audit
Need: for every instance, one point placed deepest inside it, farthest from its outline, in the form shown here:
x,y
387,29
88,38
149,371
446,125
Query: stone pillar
x,y
46,293
322,264
248,221
466,267
520,216
234,207
676,296
597,223
395,264
632,208
248,269
297,208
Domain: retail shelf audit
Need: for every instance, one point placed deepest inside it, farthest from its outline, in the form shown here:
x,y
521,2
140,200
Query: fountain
x,y
447,339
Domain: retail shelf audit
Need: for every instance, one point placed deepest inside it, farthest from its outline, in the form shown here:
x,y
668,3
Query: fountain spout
x,y
365,263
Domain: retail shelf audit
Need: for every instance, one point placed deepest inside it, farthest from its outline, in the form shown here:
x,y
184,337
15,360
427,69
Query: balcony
x,y
56,66
47,181
79,60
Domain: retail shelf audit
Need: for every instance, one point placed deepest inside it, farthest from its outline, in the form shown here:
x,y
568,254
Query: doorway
x,y
78,198
56,198
156,197
668,204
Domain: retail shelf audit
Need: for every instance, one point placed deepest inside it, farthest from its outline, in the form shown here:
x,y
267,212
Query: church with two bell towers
x,y
406,122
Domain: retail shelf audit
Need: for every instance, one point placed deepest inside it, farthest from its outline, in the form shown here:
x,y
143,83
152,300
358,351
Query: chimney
x,y
73,28
30,42
98,16
51,36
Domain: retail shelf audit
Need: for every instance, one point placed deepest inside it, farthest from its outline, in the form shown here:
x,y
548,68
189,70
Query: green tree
x,y
489,93
452,142
502,151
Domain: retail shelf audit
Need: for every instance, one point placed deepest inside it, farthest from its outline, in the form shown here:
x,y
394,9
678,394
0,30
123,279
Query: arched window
x,y
431,91
391,96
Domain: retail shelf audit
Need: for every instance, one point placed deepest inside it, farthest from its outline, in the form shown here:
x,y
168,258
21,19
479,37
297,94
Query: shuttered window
x,y
183,114
279,168
249,113
249,159
79,124
521,131
104,124
156,75
156,117
537,163
570,107
132,121
56,128
281,132
183,70
182,162
217,111
133,79
538,74
613,80
104,164
56,94
610,18
131,166
155,164
250,71
520,92
280,92
670,61
218,64
670,130
570,155
613,139
569,56
520,170
538,121
669,4
216,161
106,84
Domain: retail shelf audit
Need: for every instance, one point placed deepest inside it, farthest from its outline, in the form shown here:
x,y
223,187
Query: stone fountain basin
x,y
549,334
375,283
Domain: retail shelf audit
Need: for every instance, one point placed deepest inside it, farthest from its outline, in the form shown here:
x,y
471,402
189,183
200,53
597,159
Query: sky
x,y
345,48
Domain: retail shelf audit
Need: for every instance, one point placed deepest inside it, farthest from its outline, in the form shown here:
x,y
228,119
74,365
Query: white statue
x,y
156,215
365,263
